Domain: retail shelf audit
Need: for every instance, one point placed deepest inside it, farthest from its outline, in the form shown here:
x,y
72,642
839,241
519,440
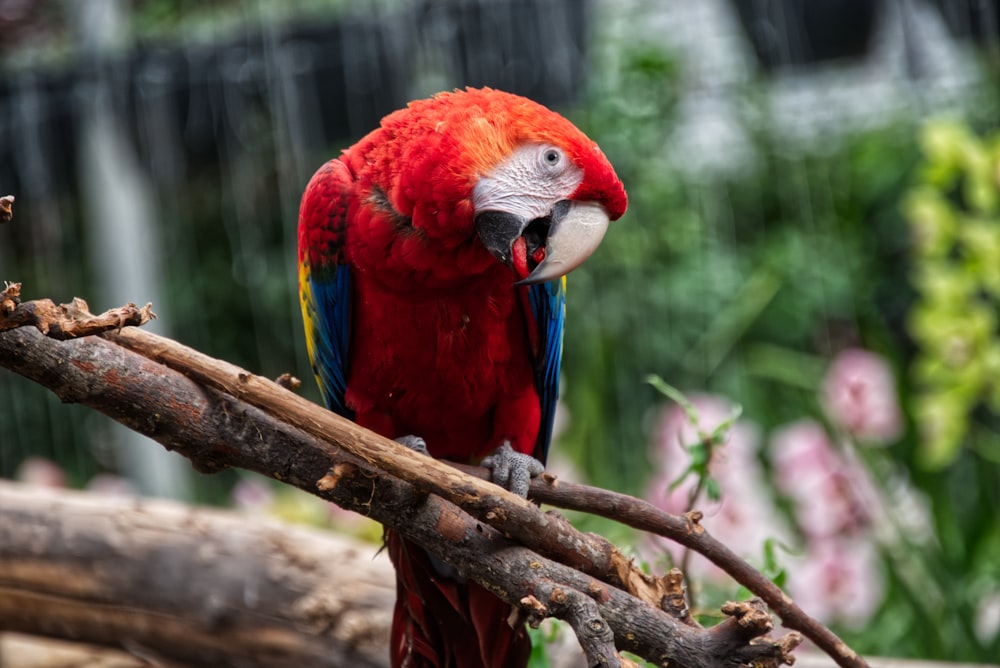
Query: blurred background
x,y
813,236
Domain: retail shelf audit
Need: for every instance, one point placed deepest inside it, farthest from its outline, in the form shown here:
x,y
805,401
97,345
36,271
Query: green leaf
x,y
676,395
712,488
700,454
721,433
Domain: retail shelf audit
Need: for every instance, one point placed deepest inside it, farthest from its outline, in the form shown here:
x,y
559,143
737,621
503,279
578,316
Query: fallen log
x,y
189,586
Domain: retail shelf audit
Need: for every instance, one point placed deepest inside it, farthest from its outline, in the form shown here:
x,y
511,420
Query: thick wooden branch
x,y
187,586
26,651
214,429
516,516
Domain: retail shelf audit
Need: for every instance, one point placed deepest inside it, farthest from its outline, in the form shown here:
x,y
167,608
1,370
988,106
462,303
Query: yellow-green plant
x,y
954,217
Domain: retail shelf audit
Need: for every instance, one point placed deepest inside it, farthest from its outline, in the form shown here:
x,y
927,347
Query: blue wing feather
x,y
325,279
330,335
547,302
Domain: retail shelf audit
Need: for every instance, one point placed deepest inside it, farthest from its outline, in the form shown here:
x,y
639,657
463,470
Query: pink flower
x,y
253,494
827,489
802,455
674,433
744,517
112,486
833,498
838,580
41,472
859,396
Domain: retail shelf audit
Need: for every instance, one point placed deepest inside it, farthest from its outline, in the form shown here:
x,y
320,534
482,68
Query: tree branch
x,y
233,424
66,321
548,533
687,531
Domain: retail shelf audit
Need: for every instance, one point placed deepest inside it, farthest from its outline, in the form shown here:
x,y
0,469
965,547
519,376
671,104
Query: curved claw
x,y
414,443
513,470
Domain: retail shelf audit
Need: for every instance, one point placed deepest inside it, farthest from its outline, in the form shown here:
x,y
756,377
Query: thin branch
x,y
687,531
66,321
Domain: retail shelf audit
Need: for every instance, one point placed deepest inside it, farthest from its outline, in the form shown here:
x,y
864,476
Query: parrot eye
x,y
551,157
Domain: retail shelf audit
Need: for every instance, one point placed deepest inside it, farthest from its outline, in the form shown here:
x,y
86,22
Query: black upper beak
x,y
498,230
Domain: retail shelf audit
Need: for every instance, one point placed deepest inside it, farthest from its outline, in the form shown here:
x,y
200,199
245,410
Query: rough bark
x,y
66,321
188,586
25,651
218,416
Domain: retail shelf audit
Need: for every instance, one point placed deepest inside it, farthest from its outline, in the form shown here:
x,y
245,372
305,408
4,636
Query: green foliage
x,y
955,224
771,566
541,638
746,284
734,283
168,19
701,450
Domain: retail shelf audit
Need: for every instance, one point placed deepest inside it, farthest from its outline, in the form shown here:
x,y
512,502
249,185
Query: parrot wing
x,y
325,280
547,310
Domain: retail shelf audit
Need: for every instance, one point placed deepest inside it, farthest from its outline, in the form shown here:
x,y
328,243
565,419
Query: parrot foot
x,y
513,470
414,443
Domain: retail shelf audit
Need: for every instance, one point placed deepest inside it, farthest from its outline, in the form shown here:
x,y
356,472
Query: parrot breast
x,y
440,366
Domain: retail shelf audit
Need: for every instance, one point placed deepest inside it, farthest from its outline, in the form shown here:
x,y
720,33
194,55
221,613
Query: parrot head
x,y
507,174
529,210
545,192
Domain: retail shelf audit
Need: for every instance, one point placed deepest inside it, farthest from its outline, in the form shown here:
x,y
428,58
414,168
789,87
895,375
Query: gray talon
x,y
513,470
414,443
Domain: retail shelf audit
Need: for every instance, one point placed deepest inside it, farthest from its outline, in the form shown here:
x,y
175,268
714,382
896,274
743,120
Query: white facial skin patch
x,y
528,183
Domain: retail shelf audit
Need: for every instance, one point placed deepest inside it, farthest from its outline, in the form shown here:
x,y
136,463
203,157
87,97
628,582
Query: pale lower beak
x,y
574,234
545,248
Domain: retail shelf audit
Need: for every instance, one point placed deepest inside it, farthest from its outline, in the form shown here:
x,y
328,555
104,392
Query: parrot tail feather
x,y
443,621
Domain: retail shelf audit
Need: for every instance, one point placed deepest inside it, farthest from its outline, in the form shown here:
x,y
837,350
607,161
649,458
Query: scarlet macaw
x,y
432,261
